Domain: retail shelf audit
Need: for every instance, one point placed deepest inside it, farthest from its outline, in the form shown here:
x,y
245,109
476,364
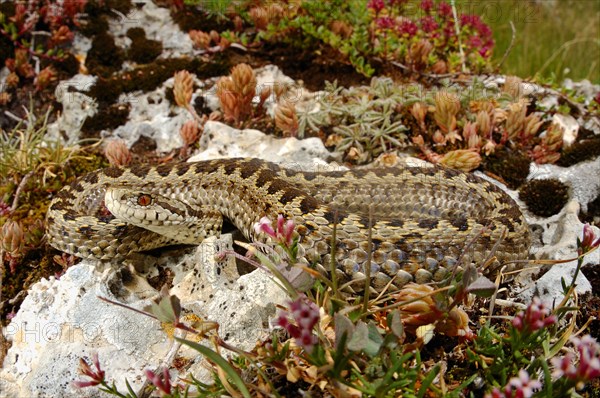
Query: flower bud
x,y
461,159
484,124
200,39
117,153
420,309
244,80
44,78
532,125
259,17
12,80
214,36
515,119
419,112
447,105
439,138
286,119
189,132
4,98
183,88
439,68
12,239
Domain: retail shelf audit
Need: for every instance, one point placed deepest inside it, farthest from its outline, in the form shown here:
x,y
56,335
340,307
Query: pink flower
x,y
305,314
264,226
408,28
588,367
283,233
534,318
517,387
486,50
161,381
97,376
589,241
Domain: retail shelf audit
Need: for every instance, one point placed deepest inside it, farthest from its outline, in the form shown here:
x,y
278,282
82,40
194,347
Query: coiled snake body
x,y
422,219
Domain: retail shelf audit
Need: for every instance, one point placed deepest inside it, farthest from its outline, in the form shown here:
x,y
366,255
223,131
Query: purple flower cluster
x,y
429,24
427,5
481,38
588,367
376,5
305,315
408,28
437,22
385,22
535,317
444,9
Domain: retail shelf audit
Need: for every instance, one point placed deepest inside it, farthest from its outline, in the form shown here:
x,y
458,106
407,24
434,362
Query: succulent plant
x,y
117,153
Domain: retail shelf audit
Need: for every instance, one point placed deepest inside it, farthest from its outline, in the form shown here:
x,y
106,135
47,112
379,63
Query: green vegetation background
x,y
555,39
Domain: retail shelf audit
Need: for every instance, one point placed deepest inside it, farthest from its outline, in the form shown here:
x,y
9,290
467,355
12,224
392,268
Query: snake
x,y
394,224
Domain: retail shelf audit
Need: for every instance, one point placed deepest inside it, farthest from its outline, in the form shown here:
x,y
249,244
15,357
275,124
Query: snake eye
x,y
144,200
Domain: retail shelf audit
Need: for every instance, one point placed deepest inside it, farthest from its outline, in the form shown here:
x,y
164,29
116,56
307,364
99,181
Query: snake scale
x,y
421,219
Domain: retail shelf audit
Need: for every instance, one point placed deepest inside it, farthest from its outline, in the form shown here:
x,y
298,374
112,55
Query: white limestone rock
x,y
63,320
152,116
76,108
555,237
158,25
220,140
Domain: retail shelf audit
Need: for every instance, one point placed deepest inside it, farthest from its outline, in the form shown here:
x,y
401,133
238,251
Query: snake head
x,y
164,215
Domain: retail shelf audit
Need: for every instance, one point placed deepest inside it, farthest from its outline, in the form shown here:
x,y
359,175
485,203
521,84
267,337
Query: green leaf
x,y
482,287
220,362
469,275
427,381
394,320
360,338
343,326
374,342
167,309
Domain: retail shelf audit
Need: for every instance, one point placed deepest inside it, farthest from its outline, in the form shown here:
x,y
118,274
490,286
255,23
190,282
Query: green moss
x,y
511,166
142,50
544,198
579,152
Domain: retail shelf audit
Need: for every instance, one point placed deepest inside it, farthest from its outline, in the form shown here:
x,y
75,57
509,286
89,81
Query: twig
x,y
457,29
510,45
367,291
15,202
